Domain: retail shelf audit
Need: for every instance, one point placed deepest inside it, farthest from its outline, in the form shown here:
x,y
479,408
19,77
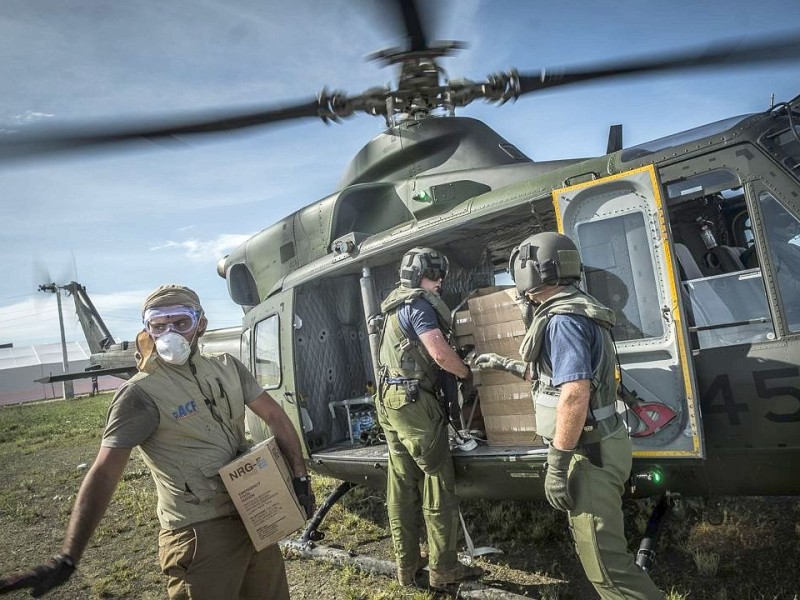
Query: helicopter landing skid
x,y
467,590
646,555
311,533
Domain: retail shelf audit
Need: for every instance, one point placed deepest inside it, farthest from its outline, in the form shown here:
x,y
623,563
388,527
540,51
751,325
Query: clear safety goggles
x,y
180,319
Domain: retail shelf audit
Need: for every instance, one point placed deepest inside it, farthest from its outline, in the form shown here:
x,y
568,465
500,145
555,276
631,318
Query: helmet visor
x,y
435,273
160,320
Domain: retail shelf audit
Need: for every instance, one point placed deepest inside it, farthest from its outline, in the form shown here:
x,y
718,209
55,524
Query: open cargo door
x,y
619,226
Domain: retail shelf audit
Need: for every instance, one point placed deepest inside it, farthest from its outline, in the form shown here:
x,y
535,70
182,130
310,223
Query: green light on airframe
x,y
422,196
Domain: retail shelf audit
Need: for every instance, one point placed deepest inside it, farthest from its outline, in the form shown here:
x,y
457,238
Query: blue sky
x,y
124,222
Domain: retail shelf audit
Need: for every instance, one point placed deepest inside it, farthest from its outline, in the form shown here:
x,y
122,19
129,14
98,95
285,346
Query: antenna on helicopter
x,y
614,139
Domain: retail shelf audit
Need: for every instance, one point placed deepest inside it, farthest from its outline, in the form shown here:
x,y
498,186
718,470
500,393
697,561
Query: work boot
x,y
440,579
407,575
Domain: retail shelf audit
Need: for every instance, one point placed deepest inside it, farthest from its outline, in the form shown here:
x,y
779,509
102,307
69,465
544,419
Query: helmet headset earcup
x,y
418,262
546,258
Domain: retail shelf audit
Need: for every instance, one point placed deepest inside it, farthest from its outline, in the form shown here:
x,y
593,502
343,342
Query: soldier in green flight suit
x,y
568,353
421,479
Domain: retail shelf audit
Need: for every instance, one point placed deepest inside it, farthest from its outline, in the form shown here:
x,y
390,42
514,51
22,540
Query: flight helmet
x,y
422,262
545,258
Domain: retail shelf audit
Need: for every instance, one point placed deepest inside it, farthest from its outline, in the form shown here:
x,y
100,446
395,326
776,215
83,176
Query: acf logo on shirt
x,y
185,410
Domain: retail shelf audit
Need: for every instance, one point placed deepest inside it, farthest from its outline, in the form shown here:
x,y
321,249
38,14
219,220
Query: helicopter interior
x,y
333,369
722,287
722,284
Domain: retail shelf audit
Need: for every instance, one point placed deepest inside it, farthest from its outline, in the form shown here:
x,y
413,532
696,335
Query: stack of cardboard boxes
x,y
493,323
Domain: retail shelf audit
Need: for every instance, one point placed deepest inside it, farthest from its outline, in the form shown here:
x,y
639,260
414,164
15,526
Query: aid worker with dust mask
x,y
185,412
568,353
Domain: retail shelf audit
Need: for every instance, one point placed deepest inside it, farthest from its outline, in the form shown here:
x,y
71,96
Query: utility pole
x,y
52,287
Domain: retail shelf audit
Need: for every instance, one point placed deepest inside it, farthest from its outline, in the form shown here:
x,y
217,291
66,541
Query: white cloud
x,y
26,118
205,251
31,116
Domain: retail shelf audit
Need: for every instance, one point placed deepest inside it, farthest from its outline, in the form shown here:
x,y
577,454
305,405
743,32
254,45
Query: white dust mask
x,y
173,348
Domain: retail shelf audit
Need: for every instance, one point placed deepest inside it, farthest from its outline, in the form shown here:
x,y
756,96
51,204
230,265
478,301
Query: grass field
x,y
751,553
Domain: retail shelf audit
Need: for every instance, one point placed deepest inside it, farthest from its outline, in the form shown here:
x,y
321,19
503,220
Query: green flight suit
x,y
421,477
596,521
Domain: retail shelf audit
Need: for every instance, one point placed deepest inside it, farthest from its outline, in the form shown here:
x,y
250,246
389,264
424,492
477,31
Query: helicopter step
x,y
468,589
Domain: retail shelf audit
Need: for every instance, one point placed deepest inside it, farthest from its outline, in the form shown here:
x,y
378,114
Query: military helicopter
x,y
689,238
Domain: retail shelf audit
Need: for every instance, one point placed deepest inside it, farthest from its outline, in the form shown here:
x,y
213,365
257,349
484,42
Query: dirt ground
x,y
726,549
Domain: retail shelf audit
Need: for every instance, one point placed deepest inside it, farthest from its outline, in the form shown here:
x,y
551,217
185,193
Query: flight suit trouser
x,y
420,479
216,559
597,527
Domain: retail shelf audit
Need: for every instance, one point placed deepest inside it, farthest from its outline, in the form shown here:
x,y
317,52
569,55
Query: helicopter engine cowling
x,y
428,146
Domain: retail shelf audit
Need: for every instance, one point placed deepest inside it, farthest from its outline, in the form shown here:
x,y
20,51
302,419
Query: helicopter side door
x,y
619,226
271,327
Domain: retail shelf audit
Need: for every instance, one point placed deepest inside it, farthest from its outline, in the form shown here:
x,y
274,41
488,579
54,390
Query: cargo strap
x,y
600,414
472,551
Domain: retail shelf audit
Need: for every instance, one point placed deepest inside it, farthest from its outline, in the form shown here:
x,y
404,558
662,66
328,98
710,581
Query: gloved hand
x,y
495,361
556,484
41,579
305,495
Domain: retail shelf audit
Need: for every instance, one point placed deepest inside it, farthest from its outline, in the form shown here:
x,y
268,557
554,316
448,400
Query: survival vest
x,y
602,402
201,428
401,358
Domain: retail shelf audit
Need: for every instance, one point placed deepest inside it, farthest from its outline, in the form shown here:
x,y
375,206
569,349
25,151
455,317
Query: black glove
x,y
495,361
556,484
305,495
41,579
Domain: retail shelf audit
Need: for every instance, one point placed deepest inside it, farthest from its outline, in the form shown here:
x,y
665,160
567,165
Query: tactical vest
x,y
201,428
400,357
602,401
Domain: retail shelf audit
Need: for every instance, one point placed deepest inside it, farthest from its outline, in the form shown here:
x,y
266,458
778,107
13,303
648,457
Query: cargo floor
x,y
357,453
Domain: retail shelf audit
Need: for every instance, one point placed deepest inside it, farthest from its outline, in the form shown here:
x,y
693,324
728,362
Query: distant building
x,y
21,365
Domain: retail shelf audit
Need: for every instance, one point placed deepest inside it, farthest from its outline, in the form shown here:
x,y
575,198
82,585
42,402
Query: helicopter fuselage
x,y
680,236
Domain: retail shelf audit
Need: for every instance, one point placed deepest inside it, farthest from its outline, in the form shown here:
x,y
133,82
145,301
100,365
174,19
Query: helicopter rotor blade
x,y
44,140
723,54
418,41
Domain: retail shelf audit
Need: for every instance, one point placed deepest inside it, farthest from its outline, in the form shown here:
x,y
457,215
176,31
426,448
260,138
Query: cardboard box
x,y
462,324
489,306
495,377
509,415
260,486
513,438
463,329
505,401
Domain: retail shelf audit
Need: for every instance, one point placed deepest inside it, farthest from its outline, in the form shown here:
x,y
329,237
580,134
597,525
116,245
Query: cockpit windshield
x,y
785,146
681,138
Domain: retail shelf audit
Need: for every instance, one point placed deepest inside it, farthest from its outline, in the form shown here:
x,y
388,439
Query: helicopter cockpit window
x,y
680,139
267,353
786,146
723,294
782,232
